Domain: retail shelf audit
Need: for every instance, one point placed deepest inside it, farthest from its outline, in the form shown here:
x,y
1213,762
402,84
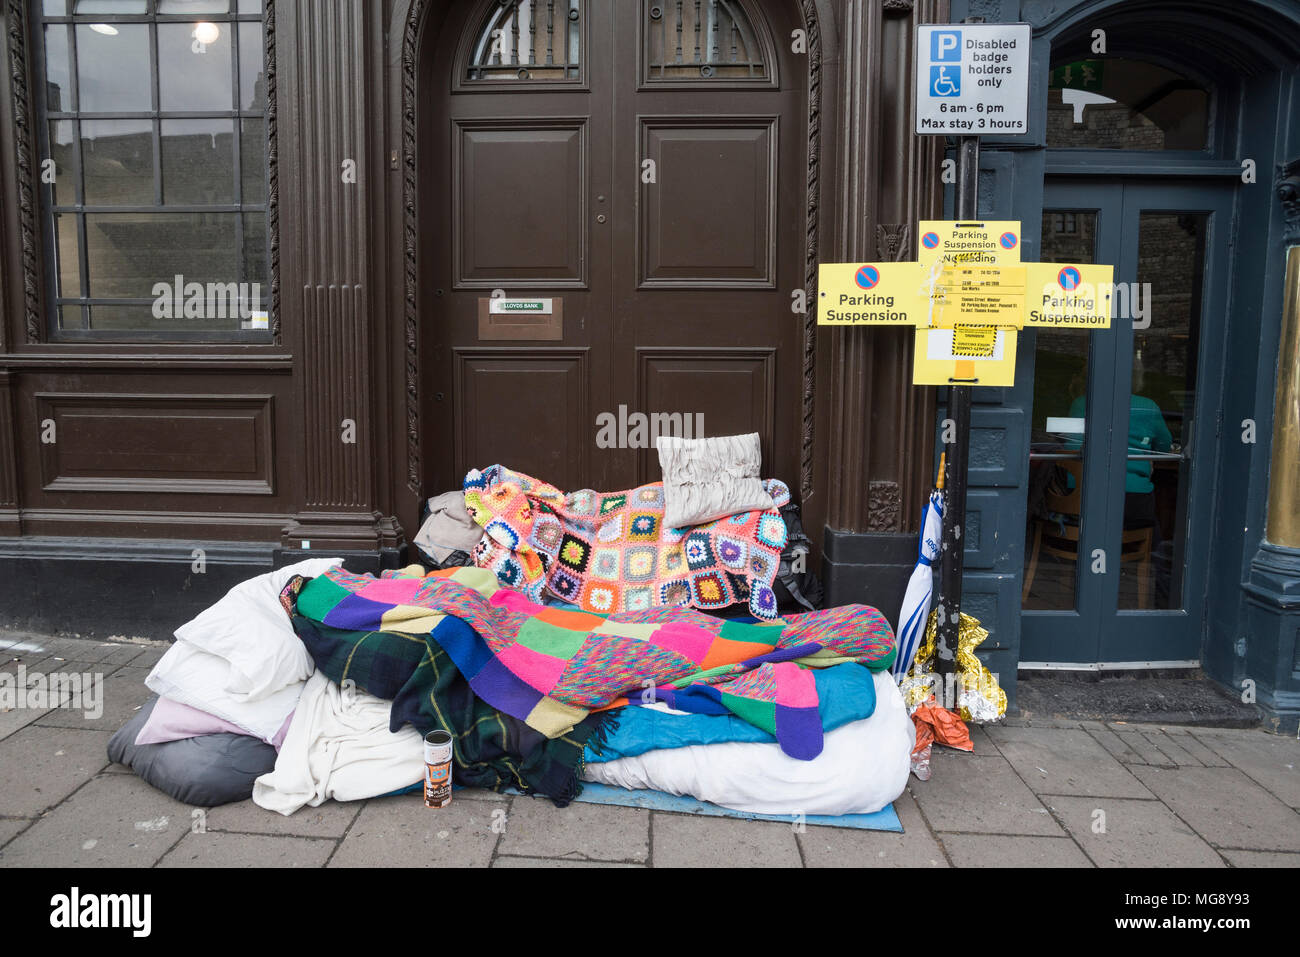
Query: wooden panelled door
x,y
644,164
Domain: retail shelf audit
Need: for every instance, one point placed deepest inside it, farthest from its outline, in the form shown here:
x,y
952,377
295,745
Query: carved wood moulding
x,y
893,242
1288,194
16,16
885,507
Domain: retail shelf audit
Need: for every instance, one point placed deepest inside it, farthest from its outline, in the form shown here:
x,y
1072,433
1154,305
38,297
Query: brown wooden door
x,y
656,187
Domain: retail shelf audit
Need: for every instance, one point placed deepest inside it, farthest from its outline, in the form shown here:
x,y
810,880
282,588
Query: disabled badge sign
x,y
973,79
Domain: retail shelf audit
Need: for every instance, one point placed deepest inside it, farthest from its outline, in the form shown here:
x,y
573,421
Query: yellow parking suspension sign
x,y
986,243
980,294
1068,296
963,355
967,295
872,294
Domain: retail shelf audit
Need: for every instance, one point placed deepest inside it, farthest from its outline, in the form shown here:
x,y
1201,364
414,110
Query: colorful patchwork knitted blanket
x,y
551,668
610,551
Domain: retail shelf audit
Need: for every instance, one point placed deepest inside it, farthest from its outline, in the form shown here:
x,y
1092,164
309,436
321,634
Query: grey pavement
x,y
1034,793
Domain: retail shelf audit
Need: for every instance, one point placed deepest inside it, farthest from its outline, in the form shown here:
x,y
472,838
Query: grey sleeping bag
x,y
203,772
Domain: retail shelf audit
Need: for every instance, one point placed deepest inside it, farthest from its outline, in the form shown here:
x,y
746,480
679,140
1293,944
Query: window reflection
x,y
1120,104
1056,445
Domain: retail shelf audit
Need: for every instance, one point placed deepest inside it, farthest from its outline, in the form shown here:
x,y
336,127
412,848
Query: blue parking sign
x,y
945,81
945,46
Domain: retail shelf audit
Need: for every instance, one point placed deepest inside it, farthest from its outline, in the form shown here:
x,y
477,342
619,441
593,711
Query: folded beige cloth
x,y
448,528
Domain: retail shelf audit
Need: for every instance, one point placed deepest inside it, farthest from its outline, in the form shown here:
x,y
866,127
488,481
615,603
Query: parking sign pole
x,y
957,451
972,79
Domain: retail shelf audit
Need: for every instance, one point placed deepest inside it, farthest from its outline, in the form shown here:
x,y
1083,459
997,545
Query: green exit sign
x,y
1079,75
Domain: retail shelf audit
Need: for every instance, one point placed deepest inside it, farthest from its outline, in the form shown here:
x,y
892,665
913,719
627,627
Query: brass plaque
x,y
539,319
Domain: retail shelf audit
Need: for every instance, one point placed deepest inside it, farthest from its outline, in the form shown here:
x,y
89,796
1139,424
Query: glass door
x,y
1124,429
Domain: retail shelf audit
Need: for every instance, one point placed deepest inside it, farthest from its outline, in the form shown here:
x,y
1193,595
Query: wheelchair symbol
x,y
943,82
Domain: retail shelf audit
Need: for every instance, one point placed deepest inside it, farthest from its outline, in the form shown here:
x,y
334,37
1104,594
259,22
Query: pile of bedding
x,y
313,683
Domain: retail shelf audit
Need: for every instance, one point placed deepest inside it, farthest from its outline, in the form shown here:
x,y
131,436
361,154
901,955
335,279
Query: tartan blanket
x,y
489,749
551,668
610,552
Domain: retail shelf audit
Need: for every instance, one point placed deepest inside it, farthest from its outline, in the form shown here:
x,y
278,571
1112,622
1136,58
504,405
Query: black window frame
x,y
156,116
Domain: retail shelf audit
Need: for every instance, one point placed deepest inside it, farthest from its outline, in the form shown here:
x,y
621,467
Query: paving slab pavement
x,y
1002,850
1122,832
219,849
402,832
1065,761
981,795
684,840
42,766
113,820
535,827
1270,760
1225,807
840,847
330,820
1027,797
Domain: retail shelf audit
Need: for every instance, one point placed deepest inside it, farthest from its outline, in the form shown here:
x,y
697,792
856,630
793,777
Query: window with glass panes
x,y
155,123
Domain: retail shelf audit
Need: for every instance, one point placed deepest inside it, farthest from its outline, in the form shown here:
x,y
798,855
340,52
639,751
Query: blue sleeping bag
x,y
846,692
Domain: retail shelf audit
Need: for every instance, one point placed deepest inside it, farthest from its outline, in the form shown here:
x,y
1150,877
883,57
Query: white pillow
x,y
707,479
251,632
194,677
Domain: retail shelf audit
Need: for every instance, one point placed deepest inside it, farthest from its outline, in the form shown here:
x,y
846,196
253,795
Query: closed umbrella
x,y
916,601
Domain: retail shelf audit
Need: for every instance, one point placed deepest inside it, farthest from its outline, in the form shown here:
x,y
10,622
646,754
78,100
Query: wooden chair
x,y
1062,542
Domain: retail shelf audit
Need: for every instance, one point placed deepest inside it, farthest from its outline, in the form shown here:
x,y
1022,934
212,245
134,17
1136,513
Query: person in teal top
x,y
1147,432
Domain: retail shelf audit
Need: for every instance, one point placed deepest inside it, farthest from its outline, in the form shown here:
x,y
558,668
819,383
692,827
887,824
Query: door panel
x,y
737,386
508,234
709,215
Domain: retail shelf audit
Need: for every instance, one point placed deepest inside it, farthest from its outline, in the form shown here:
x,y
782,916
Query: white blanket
x,y
863,767
240,659
339,747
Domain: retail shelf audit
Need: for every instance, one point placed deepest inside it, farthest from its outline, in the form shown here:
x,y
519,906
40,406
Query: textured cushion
x,y
707,479
202,772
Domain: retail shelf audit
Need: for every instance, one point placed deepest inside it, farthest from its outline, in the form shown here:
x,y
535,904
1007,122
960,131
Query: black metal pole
x,y
956,433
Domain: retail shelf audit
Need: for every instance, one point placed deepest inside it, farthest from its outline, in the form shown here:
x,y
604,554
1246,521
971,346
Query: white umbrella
x,y
916,601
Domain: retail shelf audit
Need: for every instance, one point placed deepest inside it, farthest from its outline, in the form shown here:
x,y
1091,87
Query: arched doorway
x,y
1127,442
638,174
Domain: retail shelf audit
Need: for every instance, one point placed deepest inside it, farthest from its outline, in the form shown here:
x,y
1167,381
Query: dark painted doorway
x,y
643,164
1126,427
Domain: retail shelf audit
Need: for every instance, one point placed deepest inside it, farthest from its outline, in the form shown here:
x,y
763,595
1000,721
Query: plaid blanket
x,y
551,669
609,552
489,749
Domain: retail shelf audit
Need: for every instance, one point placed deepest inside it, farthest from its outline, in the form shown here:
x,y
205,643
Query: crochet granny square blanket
x,y
609,552
551,668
